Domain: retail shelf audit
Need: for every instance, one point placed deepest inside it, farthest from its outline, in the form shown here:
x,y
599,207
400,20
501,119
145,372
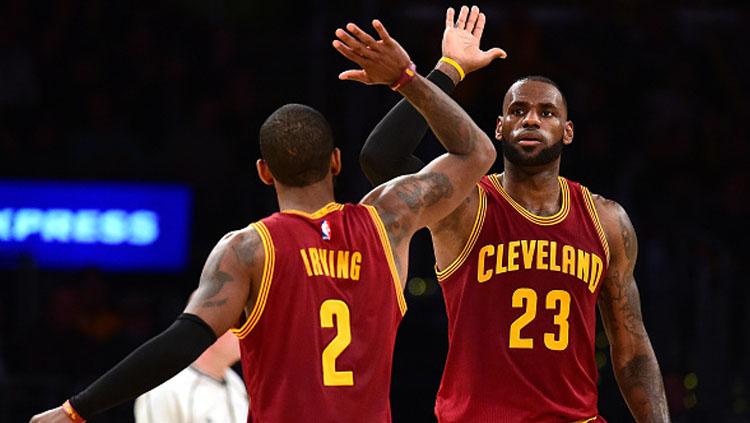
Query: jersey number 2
x,y
526,297
331,376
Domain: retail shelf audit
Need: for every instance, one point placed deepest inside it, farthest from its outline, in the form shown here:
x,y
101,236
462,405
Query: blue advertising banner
x,y
111,226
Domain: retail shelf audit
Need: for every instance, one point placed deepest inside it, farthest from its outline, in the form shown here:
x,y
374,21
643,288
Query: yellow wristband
x,y
455,64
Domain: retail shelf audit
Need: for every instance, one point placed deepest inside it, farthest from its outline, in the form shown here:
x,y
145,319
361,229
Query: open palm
x,y
462,37
382,61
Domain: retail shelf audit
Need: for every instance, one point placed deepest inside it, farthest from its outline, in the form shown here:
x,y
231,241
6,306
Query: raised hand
x,y
462,36
382,61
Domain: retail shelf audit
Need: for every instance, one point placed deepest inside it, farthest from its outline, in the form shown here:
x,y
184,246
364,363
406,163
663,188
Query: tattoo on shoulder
x,y
218,278
621,225
211,304
393,226
244,252
425,190
627,233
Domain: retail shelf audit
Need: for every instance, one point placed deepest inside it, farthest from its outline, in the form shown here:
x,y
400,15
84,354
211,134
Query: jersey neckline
x,y
328,208
554,219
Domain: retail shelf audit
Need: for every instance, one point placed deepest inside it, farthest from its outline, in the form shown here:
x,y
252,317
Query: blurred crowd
x,y
176,91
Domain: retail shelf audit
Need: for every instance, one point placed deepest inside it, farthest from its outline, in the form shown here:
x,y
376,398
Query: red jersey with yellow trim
x,y
318,344
521,304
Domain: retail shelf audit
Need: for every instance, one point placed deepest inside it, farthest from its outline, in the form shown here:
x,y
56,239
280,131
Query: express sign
x,y
113,226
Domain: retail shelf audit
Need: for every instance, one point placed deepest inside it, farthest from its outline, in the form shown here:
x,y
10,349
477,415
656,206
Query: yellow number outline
x,y
527,297
331,376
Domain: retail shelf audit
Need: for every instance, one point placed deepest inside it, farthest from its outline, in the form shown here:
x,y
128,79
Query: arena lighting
x,y
113,226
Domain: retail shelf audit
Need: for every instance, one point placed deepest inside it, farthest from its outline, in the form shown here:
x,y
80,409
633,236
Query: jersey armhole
x,y
386,243
470,242
265,282
589,200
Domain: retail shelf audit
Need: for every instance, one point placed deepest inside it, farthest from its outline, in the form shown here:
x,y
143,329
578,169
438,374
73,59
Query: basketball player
x,y
320,284
207,391
523,262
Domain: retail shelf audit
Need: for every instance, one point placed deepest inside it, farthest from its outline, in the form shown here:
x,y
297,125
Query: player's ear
x,y
568,132
335,162
499,128
264,173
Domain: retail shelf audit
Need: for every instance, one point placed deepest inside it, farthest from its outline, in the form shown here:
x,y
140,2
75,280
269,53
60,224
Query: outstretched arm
x,y
411,202
414,201
633,359
227,280
389,150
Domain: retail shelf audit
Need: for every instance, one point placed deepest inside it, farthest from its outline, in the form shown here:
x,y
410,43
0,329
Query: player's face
x,y
534,125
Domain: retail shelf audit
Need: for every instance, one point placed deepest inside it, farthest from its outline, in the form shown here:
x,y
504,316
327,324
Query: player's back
x,y
318,345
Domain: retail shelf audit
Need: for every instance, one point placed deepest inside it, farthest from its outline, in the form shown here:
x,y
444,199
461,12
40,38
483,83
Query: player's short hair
x,y
540,78
296,142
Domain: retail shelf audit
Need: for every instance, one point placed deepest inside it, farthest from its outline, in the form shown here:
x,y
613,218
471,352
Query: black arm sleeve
x,y
148,366
389,150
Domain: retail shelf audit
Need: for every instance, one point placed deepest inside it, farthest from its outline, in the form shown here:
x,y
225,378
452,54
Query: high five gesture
x,y
461,39
382,61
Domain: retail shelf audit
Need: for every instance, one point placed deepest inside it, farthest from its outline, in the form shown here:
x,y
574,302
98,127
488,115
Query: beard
x,y
545,156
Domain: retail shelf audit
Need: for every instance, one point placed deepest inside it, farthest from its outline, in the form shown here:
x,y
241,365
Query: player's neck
x,y
536,188
307,199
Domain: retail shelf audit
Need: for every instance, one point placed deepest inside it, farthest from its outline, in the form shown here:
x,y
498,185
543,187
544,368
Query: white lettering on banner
x,y
83,226
113,226
5,218
26,222
57,225
144,227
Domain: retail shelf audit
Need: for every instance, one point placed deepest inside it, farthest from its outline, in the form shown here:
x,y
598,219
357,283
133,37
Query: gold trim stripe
x,y
591,419
539,220
473,236
265,282
328,208
389,257
591,206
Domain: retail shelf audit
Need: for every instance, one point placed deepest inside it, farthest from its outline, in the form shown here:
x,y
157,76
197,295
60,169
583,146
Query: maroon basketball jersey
x,y
318,344
521,304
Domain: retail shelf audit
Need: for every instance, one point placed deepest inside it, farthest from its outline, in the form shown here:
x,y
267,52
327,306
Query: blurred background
x,y
173,93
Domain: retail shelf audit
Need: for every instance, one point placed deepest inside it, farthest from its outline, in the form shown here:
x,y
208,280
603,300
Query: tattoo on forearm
x,y
635,364
641,383
423,191
448,121
631,309
620,294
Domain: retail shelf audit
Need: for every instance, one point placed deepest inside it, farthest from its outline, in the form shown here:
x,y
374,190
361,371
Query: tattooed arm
x,y
229,278
633,359
389,150
411,202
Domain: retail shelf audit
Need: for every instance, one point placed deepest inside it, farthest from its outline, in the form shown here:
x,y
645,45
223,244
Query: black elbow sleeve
x,y
148,366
